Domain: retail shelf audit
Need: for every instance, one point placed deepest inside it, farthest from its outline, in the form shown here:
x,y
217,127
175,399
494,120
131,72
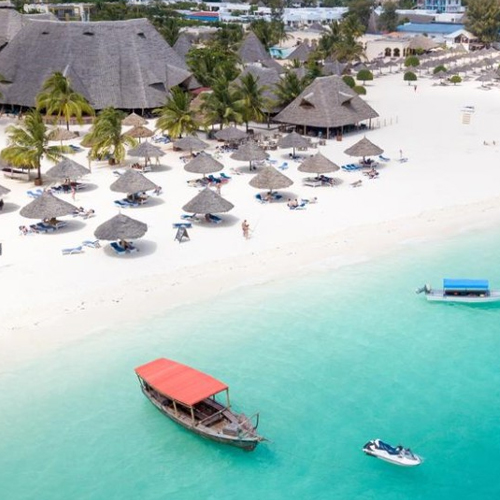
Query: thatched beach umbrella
x,y
190,143
87,141
4,190
204,164
250,152
67,169
47,206
147,151
61,134
131,182
121,227
134,120
139,132
363,148
271,179
318,164
293,140
207,202
230,134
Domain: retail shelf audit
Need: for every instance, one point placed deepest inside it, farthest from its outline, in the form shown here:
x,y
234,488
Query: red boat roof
x,y
179,382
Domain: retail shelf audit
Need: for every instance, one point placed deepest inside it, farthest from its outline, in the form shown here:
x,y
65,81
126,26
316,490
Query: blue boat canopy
x,y
473,285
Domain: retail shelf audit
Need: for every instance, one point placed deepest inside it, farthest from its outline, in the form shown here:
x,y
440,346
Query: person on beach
x,y
245,227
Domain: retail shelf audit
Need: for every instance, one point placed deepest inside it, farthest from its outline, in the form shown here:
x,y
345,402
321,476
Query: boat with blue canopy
x,y
462,290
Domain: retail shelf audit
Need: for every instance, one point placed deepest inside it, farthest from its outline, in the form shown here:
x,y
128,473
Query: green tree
x,y
176,116
364,75
389,20
209,63
439,69
222,105
58,98
106,135
349,80
28,144
409,76
288,89
228,37
170,30
455,79
412,62
269,32
362,9
483,19
251,99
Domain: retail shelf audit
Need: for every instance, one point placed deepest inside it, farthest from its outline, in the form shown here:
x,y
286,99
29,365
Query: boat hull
x,y
402,462
247,443
439,296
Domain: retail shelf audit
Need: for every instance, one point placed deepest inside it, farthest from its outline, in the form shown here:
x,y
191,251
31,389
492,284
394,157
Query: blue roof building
x,y
434,30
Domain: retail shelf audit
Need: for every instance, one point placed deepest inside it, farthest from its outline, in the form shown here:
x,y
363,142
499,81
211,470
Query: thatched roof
x,y
190,143
146,150
124,64
121,227
11,23
230,134
47,206
132,181
318,164
267,77
207,202
249,151
67,169
4,190
252,50
327,102
134,120
270,178
62,134
139,132
301,52
422,42
293,140
203,164
183,45
364,147
333,67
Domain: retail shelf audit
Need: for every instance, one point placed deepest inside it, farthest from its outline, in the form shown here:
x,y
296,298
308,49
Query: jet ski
x,y
395,455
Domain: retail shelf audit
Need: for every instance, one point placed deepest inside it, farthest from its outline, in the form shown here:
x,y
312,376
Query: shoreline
x,y
136,300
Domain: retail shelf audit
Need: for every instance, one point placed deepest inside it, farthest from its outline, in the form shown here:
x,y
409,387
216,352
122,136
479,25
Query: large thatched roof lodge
x,y
327,103
125,64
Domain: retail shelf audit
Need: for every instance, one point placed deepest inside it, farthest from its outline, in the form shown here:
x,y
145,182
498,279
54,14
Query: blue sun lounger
x,y
351,167
214,219
125,204
383,158
91,243
71,251
35,194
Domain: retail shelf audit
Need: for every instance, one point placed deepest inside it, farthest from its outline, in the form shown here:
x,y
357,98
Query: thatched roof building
x,y
125,64
183,45
327,103
252,51
267,78
301,53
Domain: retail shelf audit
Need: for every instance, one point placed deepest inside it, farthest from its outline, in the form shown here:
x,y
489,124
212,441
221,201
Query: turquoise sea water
x,y
330,361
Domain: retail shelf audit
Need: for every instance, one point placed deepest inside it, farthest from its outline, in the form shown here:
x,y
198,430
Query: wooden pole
x,y
192,414
175,409
227,398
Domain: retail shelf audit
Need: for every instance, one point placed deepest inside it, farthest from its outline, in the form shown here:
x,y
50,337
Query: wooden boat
x,y
187,396
462,290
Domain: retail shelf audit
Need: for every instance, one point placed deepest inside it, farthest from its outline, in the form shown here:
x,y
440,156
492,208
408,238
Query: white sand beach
x,y
449,184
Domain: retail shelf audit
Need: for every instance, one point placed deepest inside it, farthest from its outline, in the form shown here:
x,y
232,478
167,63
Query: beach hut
x,y
327,103
203,163
134,120
147,151
293,140
230,134
364,148
208,202
120,229
250,152
190,143
270,179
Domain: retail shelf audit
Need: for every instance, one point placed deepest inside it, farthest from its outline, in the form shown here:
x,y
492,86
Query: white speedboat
x,y
462,290
395,455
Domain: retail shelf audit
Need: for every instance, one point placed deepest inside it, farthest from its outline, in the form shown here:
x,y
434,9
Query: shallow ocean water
x,y
330,360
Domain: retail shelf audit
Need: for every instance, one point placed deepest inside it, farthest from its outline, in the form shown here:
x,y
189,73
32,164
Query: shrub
x,y
412,62
349,80
439,69
409,76
364,75
359,89
455,79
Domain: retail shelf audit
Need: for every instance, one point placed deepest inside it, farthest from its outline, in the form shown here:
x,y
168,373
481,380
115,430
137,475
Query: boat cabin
x,y
466,288
183,389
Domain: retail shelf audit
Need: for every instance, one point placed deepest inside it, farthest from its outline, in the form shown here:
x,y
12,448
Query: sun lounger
x,y
120,250
91,243
35,193
189,217
351,167
76,149
383,158
312,182
300,206
71,251
356,184
40,227
283,166
224,176
125,204
403,160
214,219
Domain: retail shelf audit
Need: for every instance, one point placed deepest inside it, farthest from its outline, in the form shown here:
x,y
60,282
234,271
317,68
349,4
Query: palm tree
x,y
288,88
28,144
222,104
251,99
175,116
58,97
106,135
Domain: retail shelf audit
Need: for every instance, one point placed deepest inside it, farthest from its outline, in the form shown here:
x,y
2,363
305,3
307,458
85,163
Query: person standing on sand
x,y
245,227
